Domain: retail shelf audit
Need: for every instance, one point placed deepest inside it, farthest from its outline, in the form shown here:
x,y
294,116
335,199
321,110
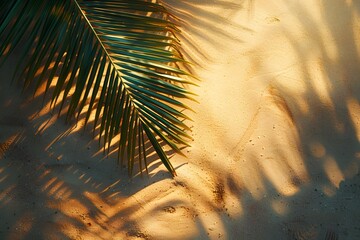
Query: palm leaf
x,y
119,57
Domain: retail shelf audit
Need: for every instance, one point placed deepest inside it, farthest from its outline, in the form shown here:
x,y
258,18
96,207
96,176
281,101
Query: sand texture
x,y
276,150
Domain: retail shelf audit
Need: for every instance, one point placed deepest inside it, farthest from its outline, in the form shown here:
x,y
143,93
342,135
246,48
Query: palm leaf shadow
x,y
33,193
206,25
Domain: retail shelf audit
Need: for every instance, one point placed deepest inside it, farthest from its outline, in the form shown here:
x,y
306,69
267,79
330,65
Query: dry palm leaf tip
x,y
115,64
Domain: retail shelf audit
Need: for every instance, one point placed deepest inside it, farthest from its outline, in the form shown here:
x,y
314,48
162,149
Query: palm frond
x,y
119,57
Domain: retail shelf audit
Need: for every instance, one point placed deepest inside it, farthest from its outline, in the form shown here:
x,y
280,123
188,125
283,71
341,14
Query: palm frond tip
x,y
120,57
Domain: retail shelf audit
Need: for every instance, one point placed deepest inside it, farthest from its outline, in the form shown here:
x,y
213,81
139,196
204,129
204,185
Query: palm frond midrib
x,y
118,45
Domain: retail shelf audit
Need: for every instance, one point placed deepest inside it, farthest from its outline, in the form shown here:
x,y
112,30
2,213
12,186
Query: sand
x,y
276,150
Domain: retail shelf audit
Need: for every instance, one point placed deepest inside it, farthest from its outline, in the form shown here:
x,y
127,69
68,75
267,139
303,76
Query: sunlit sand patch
x,y
23,225
317,150
320,84
174,215
329,190
333,171
233,205
5,198
279,207
354,112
